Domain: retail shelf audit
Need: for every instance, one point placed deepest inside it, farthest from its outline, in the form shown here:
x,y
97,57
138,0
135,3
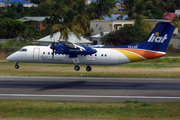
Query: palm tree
x,y
31,33
143,24
129,7
82,19
97,10
176,22
68,19
62,19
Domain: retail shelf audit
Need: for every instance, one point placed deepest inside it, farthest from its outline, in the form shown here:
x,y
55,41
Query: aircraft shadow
x,y
50,85
63,85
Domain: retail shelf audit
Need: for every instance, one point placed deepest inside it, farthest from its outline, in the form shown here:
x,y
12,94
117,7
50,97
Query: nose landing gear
x,y
16,65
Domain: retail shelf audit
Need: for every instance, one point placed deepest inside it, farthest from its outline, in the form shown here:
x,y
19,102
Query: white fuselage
x,y
43,54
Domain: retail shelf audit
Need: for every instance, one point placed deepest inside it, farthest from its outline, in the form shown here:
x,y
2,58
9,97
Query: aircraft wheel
x,y
16,66
76,68
88,68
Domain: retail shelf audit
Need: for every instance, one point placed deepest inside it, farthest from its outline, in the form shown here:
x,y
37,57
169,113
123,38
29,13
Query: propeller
x,y
53,48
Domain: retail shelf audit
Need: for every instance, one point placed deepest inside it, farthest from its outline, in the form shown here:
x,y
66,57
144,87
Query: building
x,y
25,3
96,38
169,15
47,40
2,4
36,21
108,25
119,8
153,23
177,13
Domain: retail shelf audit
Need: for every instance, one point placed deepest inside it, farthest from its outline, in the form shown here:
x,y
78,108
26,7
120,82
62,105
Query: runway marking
x,y
88,96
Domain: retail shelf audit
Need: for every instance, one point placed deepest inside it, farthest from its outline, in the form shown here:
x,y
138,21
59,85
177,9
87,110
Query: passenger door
x,y
36,53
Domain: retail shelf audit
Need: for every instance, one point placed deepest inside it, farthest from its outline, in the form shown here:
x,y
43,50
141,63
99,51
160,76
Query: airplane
x,y
69,53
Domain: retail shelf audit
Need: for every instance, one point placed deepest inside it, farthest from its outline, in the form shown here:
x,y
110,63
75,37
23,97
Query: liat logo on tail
x,y
156,38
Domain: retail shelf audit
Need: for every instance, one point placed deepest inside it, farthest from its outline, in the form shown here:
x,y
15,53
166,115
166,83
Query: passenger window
x,y
95,54
48,53
43,53
101,55
105,55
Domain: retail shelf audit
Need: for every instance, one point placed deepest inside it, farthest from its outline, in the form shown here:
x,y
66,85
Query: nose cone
x,y
10,58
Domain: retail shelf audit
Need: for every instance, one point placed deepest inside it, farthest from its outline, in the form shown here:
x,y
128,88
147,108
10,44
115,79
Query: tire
x,y
88,68
76,68
16,66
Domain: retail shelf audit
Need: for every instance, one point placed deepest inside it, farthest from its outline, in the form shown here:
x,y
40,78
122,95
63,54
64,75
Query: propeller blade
x,y
52,45
53,54
53,48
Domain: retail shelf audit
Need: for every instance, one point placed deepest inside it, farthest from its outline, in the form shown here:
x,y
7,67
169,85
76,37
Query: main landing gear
x,y
16,65
77,68
88,68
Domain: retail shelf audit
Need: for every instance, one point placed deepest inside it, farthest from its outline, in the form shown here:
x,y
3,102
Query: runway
x,y
90,88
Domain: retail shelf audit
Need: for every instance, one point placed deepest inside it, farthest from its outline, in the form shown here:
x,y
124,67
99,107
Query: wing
x,y
72,45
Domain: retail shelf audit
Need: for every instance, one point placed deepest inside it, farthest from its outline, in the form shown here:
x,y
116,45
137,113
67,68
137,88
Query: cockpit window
x,y
23,50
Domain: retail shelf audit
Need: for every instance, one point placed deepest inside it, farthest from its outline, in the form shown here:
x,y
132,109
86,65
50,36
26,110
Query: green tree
x,y
144,25
96,10
36,1
11,12
68,18
42,10
31,33
164,5
153,12
129,7
176,22
63,18
128,34
10,28
82,19
89,33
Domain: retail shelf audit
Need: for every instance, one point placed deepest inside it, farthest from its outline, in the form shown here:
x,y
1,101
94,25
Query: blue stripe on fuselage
x,y
62,49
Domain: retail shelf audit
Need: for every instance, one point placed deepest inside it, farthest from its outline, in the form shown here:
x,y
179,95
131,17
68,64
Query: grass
x,y
162,68
52,110
64,110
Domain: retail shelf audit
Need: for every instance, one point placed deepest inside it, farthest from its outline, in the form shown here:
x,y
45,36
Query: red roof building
x,y
169,15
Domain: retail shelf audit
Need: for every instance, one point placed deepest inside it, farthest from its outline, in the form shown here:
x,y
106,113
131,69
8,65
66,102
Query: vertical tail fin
x,y
159,37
